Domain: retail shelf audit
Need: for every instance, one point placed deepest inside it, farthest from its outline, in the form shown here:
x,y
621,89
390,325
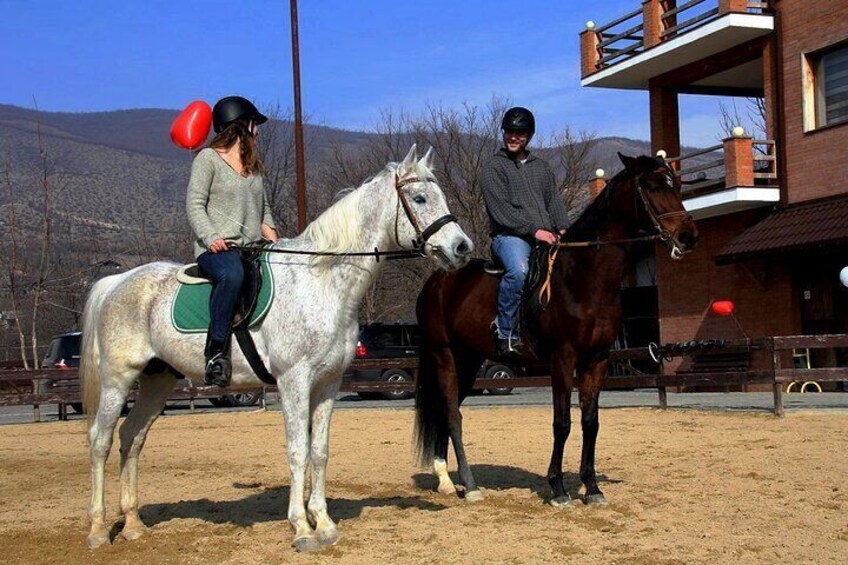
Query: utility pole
x,y
298,124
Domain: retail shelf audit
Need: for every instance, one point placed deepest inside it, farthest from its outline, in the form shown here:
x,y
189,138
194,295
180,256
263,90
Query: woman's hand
x,y
218,245
269,233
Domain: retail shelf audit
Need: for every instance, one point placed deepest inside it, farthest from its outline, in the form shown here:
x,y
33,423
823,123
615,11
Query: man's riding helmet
x,y
519,119
232,108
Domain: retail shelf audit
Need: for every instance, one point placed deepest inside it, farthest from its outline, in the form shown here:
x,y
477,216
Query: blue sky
x,y
357,57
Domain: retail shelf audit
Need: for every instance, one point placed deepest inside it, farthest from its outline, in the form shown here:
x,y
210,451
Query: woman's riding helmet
x,y
519,119
232,108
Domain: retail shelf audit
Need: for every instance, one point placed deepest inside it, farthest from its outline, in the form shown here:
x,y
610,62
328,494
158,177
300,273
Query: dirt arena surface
x,y
683,487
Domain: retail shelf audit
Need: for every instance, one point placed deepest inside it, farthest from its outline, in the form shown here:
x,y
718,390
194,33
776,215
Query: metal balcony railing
x,y
737,161
655,22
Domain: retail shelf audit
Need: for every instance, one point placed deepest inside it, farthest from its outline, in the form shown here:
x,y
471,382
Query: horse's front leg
x,y
322,410
294,397
591,380
562,382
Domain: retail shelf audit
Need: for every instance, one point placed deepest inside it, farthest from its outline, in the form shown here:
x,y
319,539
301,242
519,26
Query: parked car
x,y
401,341
64,353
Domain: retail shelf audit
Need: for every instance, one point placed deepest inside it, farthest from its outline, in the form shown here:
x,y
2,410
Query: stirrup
x,y
218,371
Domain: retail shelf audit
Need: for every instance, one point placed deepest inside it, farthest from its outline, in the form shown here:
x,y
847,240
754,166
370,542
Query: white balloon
x,y
843,276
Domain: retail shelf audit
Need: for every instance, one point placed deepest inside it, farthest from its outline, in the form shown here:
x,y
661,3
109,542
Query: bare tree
x,y
275,145
462,140
754,123
12,266
572,158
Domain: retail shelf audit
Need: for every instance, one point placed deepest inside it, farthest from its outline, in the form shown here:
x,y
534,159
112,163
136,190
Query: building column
x,y
665,120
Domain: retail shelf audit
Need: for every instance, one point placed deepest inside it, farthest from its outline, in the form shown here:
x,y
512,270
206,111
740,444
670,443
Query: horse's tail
x,y
430,405
89,370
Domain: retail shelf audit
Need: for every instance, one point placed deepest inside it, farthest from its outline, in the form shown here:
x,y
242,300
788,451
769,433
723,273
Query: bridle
x,y
658,218
421,236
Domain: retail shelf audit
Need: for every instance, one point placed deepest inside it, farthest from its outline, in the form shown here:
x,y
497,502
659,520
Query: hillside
x,y
112,173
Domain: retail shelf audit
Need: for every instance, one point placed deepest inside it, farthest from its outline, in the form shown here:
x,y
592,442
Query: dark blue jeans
x,y
227,273
514,254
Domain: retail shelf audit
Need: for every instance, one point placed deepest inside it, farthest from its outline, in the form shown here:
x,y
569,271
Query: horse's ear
x,y
411,157
427,159
628,162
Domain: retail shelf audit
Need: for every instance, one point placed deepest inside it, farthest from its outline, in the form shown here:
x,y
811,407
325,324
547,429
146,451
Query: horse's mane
x,y
586,225
339,228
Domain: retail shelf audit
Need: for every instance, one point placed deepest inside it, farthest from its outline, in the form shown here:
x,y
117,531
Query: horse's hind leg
x,y
111,402
322,410
454,392
440,466
153,392
590,381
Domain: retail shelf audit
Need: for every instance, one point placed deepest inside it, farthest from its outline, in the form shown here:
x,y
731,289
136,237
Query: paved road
x,y
751,401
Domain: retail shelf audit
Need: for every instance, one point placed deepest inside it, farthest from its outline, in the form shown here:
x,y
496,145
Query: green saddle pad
x,y
190,310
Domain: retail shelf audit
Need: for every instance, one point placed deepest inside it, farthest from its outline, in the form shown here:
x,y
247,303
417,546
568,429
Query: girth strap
x,y
248,347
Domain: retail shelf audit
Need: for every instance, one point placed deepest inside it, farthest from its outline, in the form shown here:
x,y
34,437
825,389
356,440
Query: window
x,y
826,87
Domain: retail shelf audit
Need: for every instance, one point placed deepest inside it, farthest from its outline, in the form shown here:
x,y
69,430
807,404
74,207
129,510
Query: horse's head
x,y
423,221
662,210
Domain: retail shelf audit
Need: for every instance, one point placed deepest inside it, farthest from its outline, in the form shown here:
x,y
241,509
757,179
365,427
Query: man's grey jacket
x,y
521,197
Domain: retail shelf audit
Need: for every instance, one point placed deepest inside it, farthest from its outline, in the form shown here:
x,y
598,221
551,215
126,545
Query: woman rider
x,y
226,205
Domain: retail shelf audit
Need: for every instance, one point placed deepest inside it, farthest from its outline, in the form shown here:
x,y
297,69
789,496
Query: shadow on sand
x,y
502,477
270,505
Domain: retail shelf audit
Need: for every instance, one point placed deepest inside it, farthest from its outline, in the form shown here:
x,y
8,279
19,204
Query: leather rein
x,y
418,244
656,218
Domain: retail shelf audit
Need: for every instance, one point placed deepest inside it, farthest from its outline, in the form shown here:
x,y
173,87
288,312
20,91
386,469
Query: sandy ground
x,y
683,487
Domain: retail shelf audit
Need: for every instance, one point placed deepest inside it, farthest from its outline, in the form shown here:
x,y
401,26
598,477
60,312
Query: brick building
x,y
772,212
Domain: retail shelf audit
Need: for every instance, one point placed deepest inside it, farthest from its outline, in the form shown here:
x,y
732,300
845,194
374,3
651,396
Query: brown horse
x,y
575,331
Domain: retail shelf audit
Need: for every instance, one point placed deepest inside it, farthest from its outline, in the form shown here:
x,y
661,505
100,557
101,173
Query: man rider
x,y
525,209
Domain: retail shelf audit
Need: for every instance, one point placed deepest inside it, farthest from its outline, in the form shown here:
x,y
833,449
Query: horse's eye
x,y
419,199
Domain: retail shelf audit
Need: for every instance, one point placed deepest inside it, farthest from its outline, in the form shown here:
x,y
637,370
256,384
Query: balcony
x,y
663,36
739,174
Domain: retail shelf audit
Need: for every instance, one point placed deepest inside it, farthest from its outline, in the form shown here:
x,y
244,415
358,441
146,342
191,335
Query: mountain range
x,y
116,172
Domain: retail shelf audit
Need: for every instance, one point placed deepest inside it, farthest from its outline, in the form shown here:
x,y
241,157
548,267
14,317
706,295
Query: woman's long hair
x,y
239,130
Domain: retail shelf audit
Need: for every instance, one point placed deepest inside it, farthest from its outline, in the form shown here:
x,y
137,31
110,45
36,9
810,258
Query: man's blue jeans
x,y
514,253
227,273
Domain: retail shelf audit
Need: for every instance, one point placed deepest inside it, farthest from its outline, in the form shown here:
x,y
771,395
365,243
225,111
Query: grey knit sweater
x,y
521,198
223,204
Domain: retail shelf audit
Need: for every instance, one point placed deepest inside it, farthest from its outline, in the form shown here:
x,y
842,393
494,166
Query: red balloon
x,y
723,307
191,128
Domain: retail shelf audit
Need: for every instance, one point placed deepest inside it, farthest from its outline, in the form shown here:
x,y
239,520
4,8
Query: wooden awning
x,y
810,226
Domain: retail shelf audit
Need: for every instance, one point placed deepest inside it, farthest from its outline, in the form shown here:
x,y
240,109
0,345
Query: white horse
x,y
306,340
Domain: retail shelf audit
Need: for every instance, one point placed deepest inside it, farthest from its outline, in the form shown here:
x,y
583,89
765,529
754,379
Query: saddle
x,y
190,311
535,296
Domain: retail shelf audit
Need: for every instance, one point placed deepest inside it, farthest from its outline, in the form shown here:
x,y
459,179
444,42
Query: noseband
x,y
657,218
421,235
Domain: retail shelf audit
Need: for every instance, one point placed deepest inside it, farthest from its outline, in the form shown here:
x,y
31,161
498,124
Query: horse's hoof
x,y
473,496
446,489
306,544
131,534
562,502
597,499
328,536
96,539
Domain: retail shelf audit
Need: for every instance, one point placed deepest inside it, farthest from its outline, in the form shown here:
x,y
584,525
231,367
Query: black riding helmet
x,y
232,108
519,119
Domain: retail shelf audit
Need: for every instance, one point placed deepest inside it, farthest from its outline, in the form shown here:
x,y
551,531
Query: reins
x,y
657,219
421,236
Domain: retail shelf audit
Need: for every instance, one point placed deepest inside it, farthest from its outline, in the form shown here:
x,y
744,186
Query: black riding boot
x,y
218,366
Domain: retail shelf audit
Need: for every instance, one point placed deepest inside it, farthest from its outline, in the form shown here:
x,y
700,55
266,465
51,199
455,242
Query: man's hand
x,y
218,245
545,237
